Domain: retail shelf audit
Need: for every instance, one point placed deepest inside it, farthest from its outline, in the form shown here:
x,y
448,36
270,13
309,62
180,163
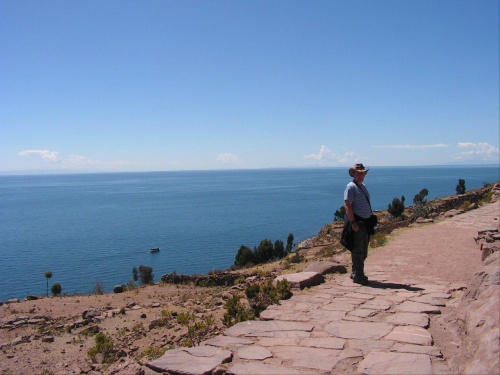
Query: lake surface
x,y
96,227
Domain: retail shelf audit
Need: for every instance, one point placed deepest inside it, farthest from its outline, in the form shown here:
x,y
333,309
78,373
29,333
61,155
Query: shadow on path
x,y
380,285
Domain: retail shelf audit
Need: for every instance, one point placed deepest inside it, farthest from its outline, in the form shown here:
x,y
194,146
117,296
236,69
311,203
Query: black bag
x,y
371,223
347,239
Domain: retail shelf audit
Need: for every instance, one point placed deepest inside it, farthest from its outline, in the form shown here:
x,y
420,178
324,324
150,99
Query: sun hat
x,y
357,168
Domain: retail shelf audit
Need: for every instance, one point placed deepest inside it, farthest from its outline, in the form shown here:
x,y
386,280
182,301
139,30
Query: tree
x,y
289,243
264,251
339,214
135,273
460,189
244,256
419,198
279,249
146,274
56,289
397,207
48,275
98,288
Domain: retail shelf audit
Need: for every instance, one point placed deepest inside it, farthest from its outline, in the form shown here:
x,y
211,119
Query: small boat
x,y
154,250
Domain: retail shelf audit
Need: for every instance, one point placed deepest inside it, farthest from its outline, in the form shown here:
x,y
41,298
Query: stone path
x,y
339,327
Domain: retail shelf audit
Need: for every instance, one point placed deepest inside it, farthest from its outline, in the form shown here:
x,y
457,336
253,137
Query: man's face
x,y
359,177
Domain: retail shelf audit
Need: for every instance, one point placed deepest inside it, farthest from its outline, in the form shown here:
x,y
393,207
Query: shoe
x,y
353,274
361,280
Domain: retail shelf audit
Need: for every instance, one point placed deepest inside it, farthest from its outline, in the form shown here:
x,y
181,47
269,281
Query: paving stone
x,y
302,279
227,341
278,341
197,360
323,342
419,349
281,334
367,346
253,327
327,316
383,363
377,304
408,319
258,368
429,300
363,313
310,358
287,315
411,335
359,330
357,295
417,307
254,352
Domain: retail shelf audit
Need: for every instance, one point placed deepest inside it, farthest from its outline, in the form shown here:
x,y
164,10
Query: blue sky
x,y
182,85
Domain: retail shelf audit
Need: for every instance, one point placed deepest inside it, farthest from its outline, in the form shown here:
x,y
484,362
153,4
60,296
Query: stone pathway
x,y
339,327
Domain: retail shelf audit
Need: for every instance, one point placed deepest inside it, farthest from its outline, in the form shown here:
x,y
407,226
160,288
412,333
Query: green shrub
x,y
56,289
103,345
460,188
339,215
397,207
153,352
236,312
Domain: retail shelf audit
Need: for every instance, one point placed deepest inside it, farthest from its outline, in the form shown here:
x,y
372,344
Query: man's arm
x,y
350,215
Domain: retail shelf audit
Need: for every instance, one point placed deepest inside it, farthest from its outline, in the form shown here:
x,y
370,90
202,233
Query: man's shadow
x,y
380,285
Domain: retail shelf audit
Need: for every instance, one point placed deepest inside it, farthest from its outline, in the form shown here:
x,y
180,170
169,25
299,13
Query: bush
x,y
98,288
56,289
397,207
145,274
243,257
236,312
460,188
419,198
340,214
103,345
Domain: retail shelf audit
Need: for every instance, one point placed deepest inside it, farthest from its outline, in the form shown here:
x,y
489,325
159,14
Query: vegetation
x,y
263,253
340,214
258,298
103,345
397,207
144,273
56,289
419,198
460,189
98,288
153,352
197,330
48,275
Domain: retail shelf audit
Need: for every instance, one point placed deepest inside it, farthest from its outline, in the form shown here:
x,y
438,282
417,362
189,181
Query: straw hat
x,y
357,168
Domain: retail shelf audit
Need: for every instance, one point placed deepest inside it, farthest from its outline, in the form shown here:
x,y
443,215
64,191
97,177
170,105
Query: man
x,y
358,211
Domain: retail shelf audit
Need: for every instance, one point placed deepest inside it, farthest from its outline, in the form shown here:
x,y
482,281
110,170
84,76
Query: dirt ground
x,y
48,336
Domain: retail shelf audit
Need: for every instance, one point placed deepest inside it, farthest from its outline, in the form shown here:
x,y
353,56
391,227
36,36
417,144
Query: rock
x,y
302,279
48,339
411,335
472,206
31,298
90,314
266,328
417,307
359,330
12,300
395,363
326,267
257,368
254,352
118,289
196,360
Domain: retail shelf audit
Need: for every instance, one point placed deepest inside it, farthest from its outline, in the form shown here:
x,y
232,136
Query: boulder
x,y
302,279
12,300
125,368
90,314
326,267
118,289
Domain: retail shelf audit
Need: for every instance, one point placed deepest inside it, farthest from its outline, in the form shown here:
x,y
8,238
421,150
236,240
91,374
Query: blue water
x,y
91,227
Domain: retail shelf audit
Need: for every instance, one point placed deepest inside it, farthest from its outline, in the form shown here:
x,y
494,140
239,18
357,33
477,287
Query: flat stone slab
x,y
252,327
359,330
382,363
227,341
326,316
254,352
408,319
418,349
377,304
417,307
323,342
288,315
326,267
363,313
311,358
302,279
410,335
197,360
428,299
257,368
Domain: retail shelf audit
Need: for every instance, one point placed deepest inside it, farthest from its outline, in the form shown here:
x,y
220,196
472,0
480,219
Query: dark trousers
x,y
360,249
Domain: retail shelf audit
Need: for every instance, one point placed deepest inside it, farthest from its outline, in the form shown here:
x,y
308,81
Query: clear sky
x,y
180,85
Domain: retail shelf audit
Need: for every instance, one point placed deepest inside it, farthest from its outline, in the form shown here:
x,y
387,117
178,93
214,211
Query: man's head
x,y
358,169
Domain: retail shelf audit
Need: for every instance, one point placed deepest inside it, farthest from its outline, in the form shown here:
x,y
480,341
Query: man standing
x,y
358,211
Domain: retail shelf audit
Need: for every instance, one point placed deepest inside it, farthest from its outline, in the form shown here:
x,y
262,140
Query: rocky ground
x,y
53,335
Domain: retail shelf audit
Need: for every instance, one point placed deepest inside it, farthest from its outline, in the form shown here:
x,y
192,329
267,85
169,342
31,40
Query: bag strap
x,y
366,196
